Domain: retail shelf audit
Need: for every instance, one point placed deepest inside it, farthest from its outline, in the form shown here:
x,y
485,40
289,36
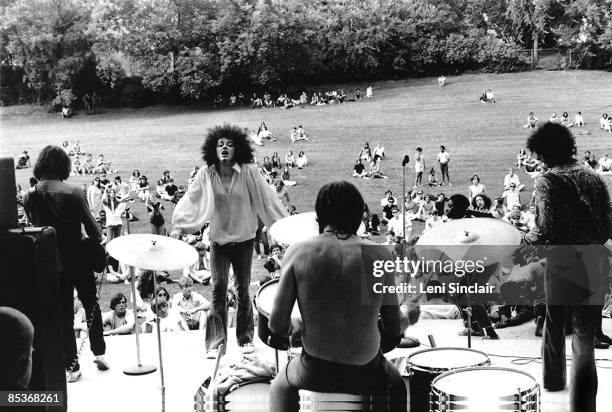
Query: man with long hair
x,y
331,277
64,207
572,206
229,192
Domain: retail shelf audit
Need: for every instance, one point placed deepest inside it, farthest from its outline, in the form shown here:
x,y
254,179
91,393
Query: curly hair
x,y
52,162
553,143
339,205
485,198
243,152
116,299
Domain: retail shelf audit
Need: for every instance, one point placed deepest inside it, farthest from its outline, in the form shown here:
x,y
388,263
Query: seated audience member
x,y
530,164
359,169
340,353
286,177
426,208
432,180
369,92
303,98
605,164
357,94
283,194
608,126
591,162
441,81
233,100
440,203
565,121
396,224
23,161
530,216
88,166
516,216
255,138
191,305
256,102
434,220
76,168
532,121
554,118
365,153
370,220
387,210
302,160
80,322
475,188
276,162
490,96
169,319
379,150
264,133
273,262
120,320
498,210
15,350
115,272
578,120
389,238
66,112
143,189
512,177
375,172
134,180
511,196
218,101
481,203
290,159
268,168
436,305
385,200
513,313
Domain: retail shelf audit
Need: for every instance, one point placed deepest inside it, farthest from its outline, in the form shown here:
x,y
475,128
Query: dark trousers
x,y
240,256
83,280
444,172
583,374
261,237
378,378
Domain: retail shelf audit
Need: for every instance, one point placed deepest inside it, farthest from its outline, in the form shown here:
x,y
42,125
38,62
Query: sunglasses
x,y
162,294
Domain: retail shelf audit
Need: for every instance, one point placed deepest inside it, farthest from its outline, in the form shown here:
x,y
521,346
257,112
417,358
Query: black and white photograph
x,y
306,205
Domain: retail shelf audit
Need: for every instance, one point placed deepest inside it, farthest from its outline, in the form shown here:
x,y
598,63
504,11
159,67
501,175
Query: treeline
x,y
136,52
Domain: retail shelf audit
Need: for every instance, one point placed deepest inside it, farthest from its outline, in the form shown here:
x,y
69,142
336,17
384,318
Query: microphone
x,y
405,160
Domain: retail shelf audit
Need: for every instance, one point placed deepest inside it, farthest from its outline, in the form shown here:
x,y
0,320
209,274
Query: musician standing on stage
x,y
230,193
329,275
572,208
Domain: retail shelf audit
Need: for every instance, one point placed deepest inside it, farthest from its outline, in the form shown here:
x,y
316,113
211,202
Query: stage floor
x,y
185,367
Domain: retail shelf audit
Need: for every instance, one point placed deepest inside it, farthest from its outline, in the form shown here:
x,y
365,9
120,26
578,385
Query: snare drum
x,y
489,389
425,365
264,301
245,397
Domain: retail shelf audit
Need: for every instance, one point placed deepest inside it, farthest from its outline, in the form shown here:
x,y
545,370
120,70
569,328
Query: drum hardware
x,y
153,252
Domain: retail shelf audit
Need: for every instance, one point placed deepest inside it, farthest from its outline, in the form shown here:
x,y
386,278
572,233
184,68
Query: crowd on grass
x,y
267,100
108,200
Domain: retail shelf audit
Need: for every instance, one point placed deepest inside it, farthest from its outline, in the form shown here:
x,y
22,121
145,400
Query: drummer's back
x,y
337,325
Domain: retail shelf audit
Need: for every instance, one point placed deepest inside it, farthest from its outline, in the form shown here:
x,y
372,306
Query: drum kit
x,y
441,379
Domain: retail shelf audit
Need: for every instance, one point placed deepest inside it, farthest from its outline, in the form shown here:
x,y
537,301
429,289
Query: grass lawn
x,y
482,139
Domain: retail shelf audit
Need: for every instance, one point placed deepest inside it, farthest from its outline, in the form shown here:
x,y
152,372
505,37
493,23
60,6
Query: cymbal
x,y
473,238
153,252
295,228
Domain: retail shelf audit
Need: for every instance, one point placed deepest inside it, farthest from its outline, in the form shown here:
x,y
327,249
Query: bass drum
x,y
264,301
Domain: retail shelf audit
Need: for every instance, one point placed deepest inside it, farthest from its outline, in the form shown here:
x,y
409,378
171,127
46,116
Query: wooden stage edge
x,y
185,367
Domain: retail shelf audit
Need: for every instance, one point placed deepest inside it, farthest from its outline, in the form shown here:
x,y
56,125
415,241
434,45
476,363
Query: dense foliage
x,y
136,51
